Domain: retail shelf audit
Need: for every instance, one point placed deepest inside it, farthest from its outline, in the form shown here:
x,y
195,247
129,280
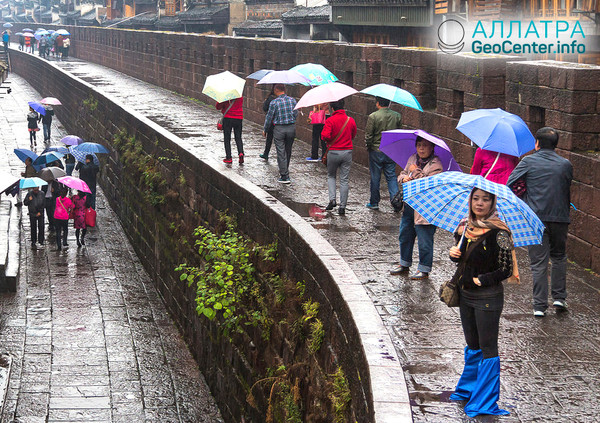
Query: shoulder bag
x,y
220,121
324,158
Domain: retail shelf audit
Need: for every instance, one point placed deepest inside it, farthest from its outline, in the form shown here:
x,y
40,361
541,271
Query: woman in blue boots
x,y
485,257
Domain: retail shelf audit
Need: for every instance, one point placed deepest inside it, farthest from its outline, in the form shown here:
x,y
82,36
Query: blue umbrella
x,y
91,147
37,107
259,74
62,150
23,154
46,158
38,35
63,32
443,200
31,182
27,30
317,74
394,94
80,155
497,130
7,25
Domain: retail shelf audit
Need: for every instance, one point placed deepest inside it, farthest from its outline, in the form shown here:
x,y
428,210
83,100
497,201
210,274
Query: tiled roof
x,y
202,13
301,13
266,28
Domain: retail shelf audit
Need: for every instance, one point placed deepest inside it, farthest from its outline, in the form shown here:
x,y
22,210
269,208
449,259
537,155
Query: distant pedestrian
x,y
88,172
6,40
384,119
35,202
233,116
21,43
47,124
79,206
42,46
317,118
32,126
51,192
58,46
422,164
282,114
547,178
61,218
66,46
69,163
30,171
495,167
338,131
28,45
269,140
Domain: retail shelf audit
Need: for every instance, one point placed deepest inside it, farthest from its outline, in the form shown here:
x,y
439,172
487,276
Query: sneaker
x,y
399,270
283,180
241,158
539,313
419,275
264,156
372,206
331,205
560,305
310,159
342,211
229,160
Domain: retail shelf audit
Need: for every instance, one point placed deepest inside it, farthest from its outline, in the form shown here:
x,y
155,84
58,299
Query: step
x,y
11,272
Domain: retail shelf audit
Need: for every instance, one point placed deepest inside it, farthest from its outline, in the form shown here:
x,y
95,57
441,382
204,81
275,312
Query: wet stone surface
x,y
89,337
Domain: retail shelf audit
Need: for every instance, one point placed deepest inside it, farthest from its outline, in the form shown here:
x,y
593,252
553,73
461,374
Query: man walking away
x,y
547,178
381,120
47,124
43,44
282,114
87,173
6,40
35,201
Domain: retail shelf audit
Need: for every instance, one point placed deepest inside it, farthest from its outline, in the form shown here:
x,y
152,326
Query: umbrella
x,y
23,154
27,30
80,156
28,34
497,130
63,32
259,74
51,101
284,77
91,147
325,94
37,107
46,158
443,200
399,145
40,29
51,31
39,34
63,150
7,181
71,140
224,86
19,34
75,183
394,94
32,182
50,173
7,25
317,74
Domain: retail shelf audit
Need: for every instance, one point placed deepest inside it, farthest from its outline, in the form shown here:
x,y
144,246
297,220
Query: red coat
x,y
332,128
236,111
484,160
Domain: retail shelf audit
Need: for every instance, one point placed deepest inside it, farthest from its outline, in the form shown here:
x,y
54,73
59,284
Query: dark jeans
x,y
32,137
47,130
92,196
481,329
316,140
69,168
62,230
50,205
284,135
553,247
37,228
269,140
408,232
236,125
380,162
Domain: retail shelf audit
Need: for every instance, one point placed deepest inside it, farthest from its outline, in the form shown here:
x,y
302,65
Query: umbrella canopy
x,y
23,154
51,173
224,86
19,34
7,25
63,150
28,34
91,147
497,130
394,94
27,30
39,34
325,94
284,77
71,140
75,183
443,200
259,74
63,32
399,145
40,29
51,101
80,156
46,158
7,181
31,183
37,107
317,74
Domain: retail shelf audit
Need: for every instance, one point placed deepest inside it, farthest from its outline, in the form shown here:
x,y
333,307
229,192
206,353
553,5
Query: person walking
x,y
6,40
66,46
35,202
422,164
32,126
338,131
51,192
269,140
30,171
317,119
485,257
61,218
42,46
21,43
495,167
27,44
88,173
79,206
47,124
233,115
69,163
281,113
58,45
384,119
547,178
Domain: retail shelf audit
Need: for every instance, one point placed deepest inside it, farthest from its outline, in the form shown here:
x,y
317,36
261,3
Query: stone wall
x,y
355,337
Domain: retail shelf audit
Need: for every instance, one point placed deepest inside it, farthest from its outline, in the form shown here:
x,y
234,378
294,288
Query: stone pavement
x,y
88,333
550,367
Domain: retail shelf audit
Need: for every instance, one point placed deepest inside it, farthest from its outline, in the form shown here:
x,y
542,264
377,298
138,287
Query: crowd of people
x,y
47,45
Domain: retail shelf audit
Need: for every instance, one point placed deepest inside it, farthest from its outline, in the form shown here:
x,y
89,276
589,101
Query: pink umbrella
x,y
325,94
75,183
51,100
284,77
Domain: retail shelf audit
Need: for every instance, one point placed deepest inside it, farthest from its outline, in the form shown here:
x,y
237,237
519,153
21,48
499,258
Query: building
x,y
309,23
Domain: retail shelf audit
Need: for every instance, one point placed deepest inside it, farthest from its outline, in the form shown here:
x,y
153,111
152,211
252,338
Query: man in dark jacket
x,y
547,177
47,123
87,173
35,201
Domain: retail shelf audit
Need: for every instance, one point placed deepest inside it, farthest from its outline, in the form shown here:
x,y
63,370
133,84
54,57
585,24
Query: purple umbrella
x,y
399,145
284,77
71,140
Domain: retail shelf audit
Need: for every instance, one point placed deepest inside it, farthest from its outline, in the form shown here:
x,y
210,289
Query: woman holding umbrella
x,y
61,218
32,126
79,201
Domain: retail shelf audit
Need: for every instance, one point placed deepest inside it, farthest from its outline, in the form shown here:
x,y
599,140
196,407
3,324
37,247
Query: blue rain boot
x,y
467,380
486,391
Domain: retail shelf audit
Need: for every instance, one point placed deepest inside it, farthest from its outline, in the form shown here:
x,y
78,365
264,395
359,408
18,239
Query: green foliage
x,y
311,309
90,103
315,339
340,395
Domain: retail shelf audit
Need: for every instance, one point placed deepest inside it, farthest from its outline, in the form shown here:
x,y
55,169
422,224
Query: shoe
x,y
264,156
397,210
310,159
283,180
82,241
241,158
229,160
78,243
372,206
560,305
331,205
419,275
342,211
399,269
33,246
539,313
65,244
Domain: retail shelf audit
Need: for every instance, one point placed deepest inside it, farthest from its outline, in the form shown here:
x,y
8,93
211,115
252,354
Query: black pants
x,y
481,329
236,125
62,230
32,137
269,141
316,140
50,205
37,228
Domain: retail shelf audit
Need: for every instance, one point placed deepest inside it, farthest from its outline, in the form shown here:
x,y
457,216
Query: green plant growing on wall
x,y
90,103
340,395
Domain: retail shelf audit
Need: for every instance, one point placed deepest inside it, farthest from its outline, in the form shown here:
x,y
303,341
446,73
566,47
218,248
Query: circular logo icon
x,y
451,34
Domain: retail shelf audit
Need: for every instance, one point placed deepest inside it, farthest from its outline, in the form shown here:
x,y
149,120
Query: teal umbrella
x,y
32,182
317,74
394,94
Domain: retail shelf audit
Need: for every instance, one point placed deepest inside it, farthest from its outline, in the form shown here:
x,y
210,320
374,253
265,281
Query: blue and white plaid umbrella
x,y
443,200
80,155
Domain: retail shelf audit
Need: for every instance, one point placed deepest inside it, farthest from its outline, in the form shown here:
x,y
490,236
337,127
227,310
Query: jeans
x,y
62,230
269,140
50,205
284,135
236,125
69,168
341,159
481,329
92,196
37,228
408,232
378,162
47,130
316,140
553,247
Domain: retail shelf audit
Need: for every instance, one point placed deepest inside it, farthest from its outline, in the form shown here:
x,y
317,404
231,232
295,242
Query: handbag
x,y
220,121
398,199
519,188
90,217
324,158
317,117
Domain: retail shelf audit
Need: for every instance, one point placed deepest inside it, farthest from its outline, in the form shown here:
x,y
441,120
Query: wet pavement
x,y
550,366
89,336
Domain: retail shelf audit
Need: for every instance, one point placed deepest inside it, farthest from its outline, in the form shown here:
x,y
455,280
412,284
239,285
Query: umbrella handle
x,y
462,237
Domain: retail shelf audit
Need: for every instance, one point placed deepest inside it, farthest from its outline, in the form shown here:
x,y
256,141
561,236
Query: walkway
x,y
88,333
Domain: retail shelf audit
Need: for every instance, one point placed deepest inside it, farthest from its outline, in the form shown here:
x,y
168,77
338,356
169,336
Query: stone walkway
x,y
89,335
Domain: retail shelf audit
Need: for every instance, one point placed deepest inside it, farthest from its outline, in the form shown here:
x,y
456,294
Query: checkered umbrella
x,y
443,200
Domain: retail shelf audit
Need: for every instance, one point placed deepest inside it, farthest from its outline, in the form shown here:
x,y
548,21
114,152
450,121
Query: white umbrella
x,y
224,86
327,93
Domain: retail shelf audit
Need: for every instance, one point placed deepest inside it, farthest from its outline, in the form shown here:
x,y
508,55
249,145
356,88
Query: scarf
x,y
421,163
